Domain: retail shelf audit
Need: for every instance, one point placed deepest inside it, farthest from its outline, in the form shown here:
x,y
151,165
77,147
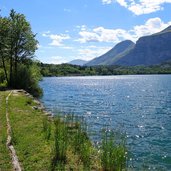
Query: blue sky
x,y
85,29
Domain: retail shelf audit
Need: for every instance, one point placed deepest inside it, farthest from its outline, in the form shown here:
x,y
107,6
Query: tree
x,y
17,48
22,44
4,33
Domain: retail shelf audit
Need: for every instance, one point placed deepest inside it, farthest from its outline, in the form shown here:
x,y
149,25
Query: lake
x,y
139,105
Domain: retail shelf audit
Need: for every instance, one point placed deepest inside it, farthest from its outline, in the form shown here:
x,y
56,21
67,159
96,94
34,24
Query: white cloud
x,y
87,36
56,60
122,3
140,7
90,52
66,47
57,39
152,26
101,34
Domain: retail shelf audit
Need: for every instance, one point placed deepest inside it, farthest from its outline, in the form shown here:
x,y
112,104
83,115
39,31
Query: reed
x,y
60,144
83,147
71,133
113,152
46,128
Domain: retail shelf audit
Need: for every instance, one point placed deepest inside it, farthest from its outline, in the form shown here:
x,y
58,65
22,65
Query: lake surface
x,y
138,105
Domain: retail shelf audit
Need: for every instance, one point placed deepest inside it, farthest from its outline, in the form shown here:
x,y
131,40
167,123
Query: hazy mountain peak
x,y
78,62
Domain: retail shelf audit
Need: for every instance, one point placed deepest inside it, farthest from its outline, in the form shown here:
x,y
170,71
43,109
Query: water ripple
x,y
137,105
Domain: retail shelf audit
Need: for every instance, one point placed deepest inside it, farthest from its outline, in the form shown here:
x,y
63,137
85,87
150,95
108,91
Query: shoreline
x,y
34,144
43,142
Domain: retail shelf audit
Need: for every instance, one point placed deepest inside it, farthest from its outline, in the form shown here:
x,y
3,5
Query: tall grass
x,y
60,144
83,146
70,133
113,152
46,128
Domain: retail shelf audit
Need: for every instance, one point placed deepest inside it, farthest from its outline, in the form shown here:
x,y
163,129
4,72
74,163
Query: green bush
x,y
2,76
28,78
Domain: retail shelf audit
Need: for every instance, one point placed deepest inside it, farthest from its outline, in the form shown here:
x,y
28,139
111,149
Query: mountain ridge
x,y
117,50
148,50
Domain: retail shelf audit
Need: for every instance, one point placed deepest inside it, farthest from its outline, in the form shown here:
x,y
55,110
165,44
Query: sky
x,y
85,29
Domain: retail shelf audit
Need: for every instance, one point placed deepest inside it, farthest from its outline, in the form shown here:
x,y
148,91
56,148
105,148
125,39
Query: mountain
x,y
168,29
148,50
112,55
78,62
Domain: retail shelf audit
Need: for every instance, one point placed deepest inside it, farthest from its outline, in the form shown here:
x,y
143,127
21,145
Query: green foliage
x,y
26,123
85,150
17,48
61,144
5,158
27,79
74,70
113,153
82,144
46,128
3,83
2,76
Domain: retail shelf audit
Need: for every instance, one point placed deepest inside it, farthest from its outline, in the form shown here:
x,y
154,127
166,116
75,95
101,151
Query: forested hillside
x,y
74,70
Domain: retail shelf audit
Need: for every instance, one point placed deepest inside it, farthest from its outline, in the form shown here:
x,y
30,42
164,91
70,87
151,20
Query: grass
x,y
5,160
82,146
41,144
60,144
113,153
70,136
46,128
44,144
33,151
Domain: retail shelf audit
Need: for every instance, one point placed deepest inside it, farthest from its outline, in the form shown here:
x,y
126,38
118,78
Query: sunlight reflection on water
x,y
137,105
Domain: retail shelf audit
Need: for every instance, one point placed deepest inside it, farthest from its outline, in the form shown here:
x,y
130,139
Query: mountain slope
x,y
149,50
113,55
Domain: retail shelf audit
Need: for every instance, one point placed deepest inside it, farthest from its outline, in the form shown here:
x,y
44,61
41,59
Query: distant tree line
x,y
75,70
17,48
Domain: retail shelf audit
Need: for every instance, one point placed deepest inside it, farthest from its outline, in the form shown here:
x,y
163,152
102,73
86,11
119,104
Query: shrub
x,y
28,78
2,76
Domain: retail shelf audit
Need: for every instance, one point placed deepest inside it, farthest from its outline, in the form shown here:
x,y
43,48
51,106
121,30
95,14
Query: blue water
x,y
138,105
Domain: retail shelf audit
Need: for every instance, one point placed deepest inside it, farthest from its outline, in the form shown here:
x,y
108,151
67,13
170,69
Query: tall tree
x,y
4,42
22,44
17,48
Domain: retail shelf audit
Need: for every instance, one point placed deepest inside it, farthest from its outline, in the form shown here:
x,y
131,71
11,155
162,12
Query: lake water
x,y
138,105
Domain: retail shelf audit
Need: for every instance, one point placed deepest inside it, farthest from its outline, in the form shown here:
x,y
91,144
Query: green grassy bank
x,y
45,144
5,160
